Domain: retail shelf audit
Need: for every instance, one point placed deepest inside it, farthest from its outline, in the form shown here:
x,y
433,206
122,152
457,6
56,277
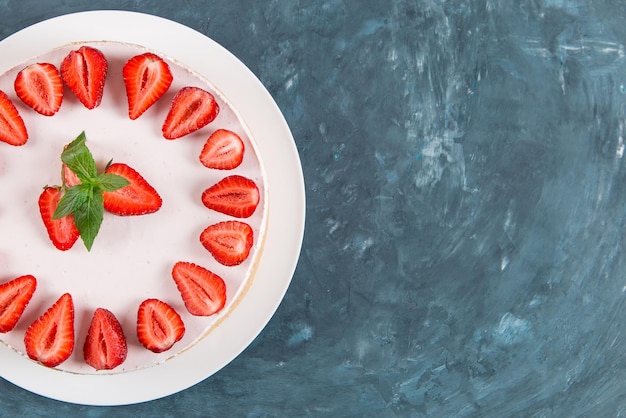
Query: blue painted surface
x,y
464,246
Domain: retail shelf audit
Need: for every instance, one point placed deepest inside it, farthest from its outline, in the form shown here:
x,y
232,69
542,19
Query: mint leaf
x,y
78,158
85,201
72,199
111,182
88,217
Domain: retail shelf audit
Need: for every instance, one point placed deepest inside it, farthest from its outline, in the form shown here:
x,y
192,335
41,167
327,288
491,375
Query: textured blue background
x,y
464,246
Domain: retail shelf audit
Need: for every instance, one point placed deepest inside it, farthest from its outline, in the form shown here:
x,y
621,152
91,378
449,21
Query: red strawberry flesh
x,y
159,326
69,177
229,242
203,292
234,195
223,150
40,87
147,78
62,232
105,347
137,198
14,297
50,339
192,108
84,71
12,128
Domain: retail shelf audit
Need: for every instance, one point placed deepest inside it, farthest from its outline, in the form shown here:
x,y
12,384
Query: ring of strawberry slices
x,y
75,207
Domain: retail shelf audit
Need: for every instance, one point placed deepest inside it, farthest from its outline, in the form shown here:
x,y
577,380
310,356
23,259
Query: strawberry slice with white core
x,y
229,242
12,128
105,346
14,296
234,195
147,78
203,292
192,108
223,150
50,339
84,71
40,87
136,198
159,326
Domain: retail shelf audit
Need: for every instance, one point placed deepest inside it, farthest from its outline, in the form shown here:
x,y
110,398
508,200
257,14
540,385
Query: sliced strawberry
x,y
229,242
84,71
158,325
203,292
62,232
222,151
14,296
147,77
137,198
40,87
69,177
50,339
192,108
235,195
12,128
105,346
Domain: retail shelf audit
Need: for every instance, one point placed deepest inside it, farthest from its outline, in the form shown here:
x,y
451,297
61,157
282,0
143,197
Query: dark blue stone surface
x,y
465,179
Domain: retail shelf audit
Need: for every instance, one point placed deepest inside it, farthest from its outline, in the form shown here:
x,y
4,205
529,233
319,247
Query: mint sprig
x,y
85,200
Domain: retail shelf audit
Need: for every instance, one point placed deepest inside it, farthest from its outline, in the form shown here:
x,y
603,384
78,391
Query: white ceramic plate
x,y
255,288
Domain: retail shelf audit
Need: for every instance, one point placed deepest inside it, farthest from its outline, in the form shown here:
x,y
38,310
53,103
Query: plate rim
x,y
285,216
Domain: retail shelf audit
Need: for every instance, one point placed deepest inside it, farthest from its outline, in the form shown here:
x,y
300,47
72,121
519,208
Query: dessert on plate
x,y
134,209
